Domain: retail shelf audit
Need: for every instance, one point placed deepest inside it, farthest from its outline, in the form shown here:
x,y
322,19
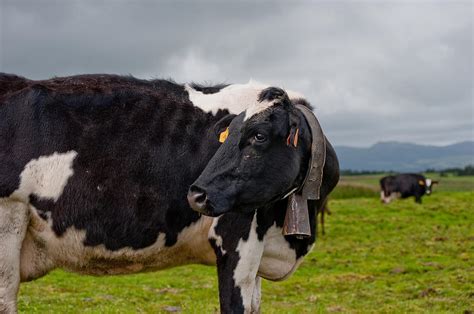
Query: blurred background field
x,y
397,258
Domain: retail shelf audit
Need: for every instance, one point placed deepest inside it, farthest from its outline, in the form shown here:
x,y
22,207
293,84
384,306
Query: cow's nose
x,y
197,199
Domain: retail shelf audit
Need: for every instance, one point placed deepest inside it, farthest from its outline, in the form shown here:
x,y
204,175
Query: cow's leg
x,y
383,197
13,225
387,197
323,210
418,199
239,251
257,295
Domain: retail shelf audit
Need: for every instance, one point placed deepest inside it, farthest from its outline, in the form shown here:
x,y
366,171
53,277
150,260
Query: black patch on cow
x,y
212,89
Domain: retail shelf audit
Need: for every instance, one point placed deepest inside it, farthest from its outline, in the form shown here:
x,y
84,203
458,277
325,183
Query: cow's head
x,y
429,185
264,157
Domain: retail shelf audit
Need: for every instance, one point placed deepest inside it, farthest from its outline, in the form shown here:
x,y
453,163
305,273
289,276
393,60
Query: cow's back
x,y
408,184
10,83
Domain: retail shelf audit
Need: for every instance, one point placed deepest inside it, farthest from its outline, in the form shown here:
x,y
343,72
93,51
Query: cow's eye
x,y
259,138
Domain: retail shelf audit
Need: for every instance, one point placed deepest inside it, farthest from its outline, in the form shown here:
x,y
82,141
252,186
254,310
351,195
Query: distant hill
x,y
403,157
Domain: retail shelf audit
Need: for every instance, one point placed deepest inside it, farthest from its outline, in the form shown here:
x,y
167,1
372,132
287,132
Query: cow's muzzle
x,y
197,199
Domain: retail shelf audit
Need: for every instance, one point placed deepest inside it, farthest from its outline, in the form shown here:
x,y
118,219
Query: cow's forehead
x,y
428,182
236,98
258,107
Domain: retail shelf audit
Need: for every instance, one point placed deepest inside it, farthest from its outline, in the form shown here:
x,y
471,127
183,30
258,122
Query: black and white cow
x,y
405,185
95,171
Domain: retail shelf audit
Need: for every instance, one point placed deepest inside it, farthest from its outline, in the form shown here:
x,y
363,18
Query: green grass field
x,y
375,258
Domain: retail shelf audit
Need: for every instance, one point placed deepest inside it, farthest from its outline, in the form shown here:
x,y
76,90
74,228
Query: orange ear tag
x,y
223,135
295,140
421,182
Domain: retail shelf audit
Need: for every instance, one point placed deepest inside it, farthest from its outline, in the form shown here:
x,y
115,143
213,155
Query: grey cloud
x,y
374,71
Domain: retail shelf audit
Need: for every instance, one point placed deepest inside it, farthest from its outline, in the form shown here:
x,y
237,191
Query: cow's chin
x,y
215,207
211,212
216,210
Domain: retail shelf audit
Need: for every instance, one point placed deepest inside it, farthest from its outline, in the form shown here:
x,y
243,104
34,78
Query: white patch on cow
x,y
236,97
279,259
194,240
391,197
214,236
68,251
46,176
250,253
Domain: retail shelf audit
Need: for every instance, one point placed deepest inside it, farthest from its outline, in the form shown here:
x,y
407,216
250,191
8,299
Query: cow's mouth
x,y
215,204
207,210
199,201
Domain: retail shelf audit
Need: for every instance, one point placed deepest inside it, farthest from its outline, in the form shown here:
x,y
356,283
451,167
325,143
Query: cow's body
x,y
403,186
94,172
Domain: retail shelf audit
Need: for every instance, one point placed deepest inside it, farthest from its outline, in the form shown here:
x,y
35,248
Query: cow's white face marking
x,y
250,253
46,176
428,182
236,97
258,107
279,259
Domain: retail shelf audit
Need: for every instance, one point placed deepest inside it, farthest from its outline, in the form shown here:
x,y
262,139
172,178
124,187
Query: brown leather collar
x,y
314,176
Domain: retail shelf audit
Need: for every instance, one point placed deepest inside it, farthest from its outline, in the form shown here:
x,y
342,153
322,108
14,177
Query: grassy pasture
x,y
375,258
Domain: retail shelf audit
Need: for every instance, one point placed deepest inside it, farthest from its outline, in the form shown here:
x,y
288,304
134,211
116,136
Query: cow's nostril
x,y
197,198
200,197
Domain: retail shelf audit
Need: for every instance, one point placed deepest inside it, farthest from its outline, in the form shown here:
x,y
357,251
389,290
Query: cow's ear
x,y
294,133
220,128
434,182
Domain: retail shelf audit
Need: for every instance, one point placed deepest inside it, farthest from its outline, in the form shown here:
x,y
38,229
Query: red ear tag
x,y
295,140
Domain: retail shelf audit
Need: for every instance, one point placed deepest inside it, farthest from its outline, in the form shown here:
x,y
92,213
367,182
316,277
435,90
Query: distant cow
x,y
405,185
95,172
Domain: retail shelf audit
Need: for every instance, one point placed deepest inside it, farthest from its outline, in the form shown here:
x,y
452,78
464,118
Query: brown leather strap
x,y
314,176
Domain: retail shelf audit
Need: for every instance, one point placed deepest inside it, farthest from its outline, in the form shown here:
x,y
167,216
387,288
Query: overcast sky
x,y
374,70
